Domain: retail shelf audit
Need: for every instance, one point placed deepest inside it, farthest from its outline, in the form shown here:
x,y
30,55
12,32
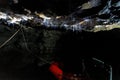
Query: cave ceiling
x,y
76,15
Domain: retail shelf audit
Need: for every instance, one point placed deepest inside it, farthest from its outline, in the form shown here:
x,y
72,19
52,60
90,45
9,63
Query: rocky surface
x,y
30,40
77,20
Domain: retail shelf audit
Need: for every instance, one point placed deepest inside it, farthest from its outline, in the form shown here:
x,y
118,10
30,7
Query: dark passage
x,y
104,45
21,62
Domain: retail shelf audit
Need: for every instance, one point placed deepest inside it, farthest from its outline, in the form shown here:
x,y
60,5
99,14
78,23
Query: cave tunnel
x,y
103,45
